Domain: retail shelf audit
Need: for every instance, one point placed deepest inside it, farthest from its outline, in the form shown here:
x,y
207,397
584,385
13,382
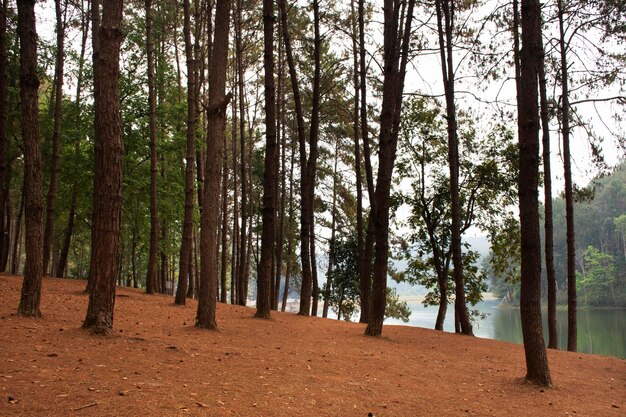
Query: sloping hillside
x,y
158,364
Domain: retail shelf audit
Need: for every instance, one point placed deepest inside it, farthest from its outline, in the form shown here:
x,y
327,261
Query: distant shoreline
x,y
487,296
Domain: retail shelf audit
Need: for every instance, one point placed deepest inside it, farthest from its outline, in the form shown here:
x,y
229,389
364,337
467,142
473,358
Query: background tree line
x,y
601,260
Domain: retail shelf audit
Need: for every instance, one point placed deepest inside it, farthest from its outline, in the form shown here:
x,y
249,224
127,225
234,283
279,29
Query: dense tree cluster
x,y
232,150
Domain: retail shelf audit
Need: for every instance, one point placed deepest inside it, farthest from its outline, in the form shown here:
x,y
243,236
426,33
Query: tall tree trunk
x,y
4,139
553,338
224,231
15,259
234,256
216,115
528,127
69,230
109,155
281,138
445,25
133,254
305,218
311,163
315,295
395,61
192,88
368,250
151,276
56,135
241,295
569,197
333,230
33,182
364,282
290,228
264,296
5,238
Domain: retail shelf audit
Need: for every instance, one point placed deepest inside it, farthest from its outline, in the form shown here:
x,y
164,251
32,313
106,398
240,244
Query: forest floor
x,y
158,364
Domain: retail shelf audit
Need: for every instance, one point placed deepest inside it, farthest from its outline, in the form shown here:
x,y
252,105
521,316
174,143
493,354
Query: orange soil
x,y
158,364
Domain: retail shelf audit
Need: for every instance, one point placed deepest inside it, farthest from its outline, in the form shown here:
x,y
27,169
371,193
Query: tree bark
x,y
234,256
264,296
56,135
280,138
305,218
363,282
216,117
109,155
224,230
33,182
4,139
395,61
151,275
445,25
242,293
333,230
290,228
553,338
365,278
192,89
15,261
69,230
569,197
528,127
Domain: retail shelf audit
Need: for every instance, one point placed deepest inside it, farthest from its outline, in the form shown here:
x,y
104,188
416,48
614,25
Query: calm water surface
x,y
599,331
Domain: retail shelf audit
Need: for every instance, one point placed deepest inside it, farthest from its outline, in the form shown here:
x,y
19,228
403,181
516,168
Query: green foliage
x,y
600,225
396,308
596,282
343,285
344,291
488,173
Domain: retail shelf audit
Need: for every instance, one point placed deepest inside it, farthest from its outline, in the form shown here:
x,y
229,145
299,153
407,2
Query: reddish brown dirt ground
x,y
158,364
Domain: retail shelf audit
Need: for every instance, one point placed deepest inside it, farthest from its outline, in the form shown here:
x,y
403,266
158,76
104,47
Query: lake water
x,y
599,331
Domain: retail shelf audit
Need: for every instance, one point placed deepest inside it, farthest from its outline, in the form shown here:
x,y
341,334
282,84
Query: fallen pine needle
x,y
86,406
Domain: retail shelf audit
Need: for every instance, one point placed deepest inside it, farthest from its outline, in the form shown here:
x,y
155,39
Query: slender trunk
x,y
270,175
365,279
364,283
445,25
154,216
234,256
109,156
242,148
4,103
311,163
56,135
67,237
305,292
315,295
216,118
281,138
290,228
553,341
161,286
246,275
528,127
6,231
133,255
15,259
333,229
224,232
192,88
395,61
192,273
569,197
33,181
